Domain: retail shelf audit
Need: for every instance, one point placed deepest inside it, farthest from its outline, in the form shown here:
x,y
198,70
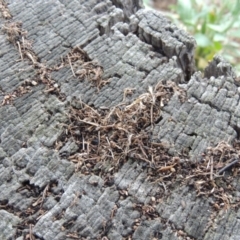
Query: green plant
x,y
214,24
146,4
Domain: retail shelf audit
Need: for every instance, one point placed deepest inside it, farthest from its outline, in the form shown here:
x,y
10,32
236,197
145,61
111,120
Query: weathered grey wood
x,y
136,48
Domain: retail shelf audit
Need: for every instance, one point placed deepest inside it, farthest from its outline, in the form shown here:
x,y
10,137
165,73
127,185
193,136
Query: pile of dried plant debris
x,y
84,68
216,175
109,137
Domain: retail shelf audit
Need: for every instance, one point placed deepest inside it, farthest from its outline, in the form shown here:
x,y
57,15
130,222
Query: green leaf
x,y
218,37
236,9
185,5
215,25
145,2
202,40
233,44
229,58
217,46
237,53
185,10
235,33
222,27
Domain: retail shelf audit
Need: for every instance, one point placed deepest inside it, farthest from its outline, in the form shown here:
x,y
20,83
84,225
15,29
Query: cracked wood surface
x,y
42,197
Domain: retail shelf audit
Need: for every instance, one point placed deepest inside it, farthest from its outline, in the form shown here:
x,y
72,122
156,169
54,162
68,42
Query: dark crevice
x,y
189,71
128,9
101,30
35,190
3,204
159,52
210,104
117,4
237,130
158,120
192,135
88,42
70,223
116,75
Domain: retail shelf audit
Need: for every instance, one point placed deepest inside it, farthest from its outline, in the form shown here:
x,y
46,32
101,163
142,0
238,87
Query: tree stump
x,y
108,132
